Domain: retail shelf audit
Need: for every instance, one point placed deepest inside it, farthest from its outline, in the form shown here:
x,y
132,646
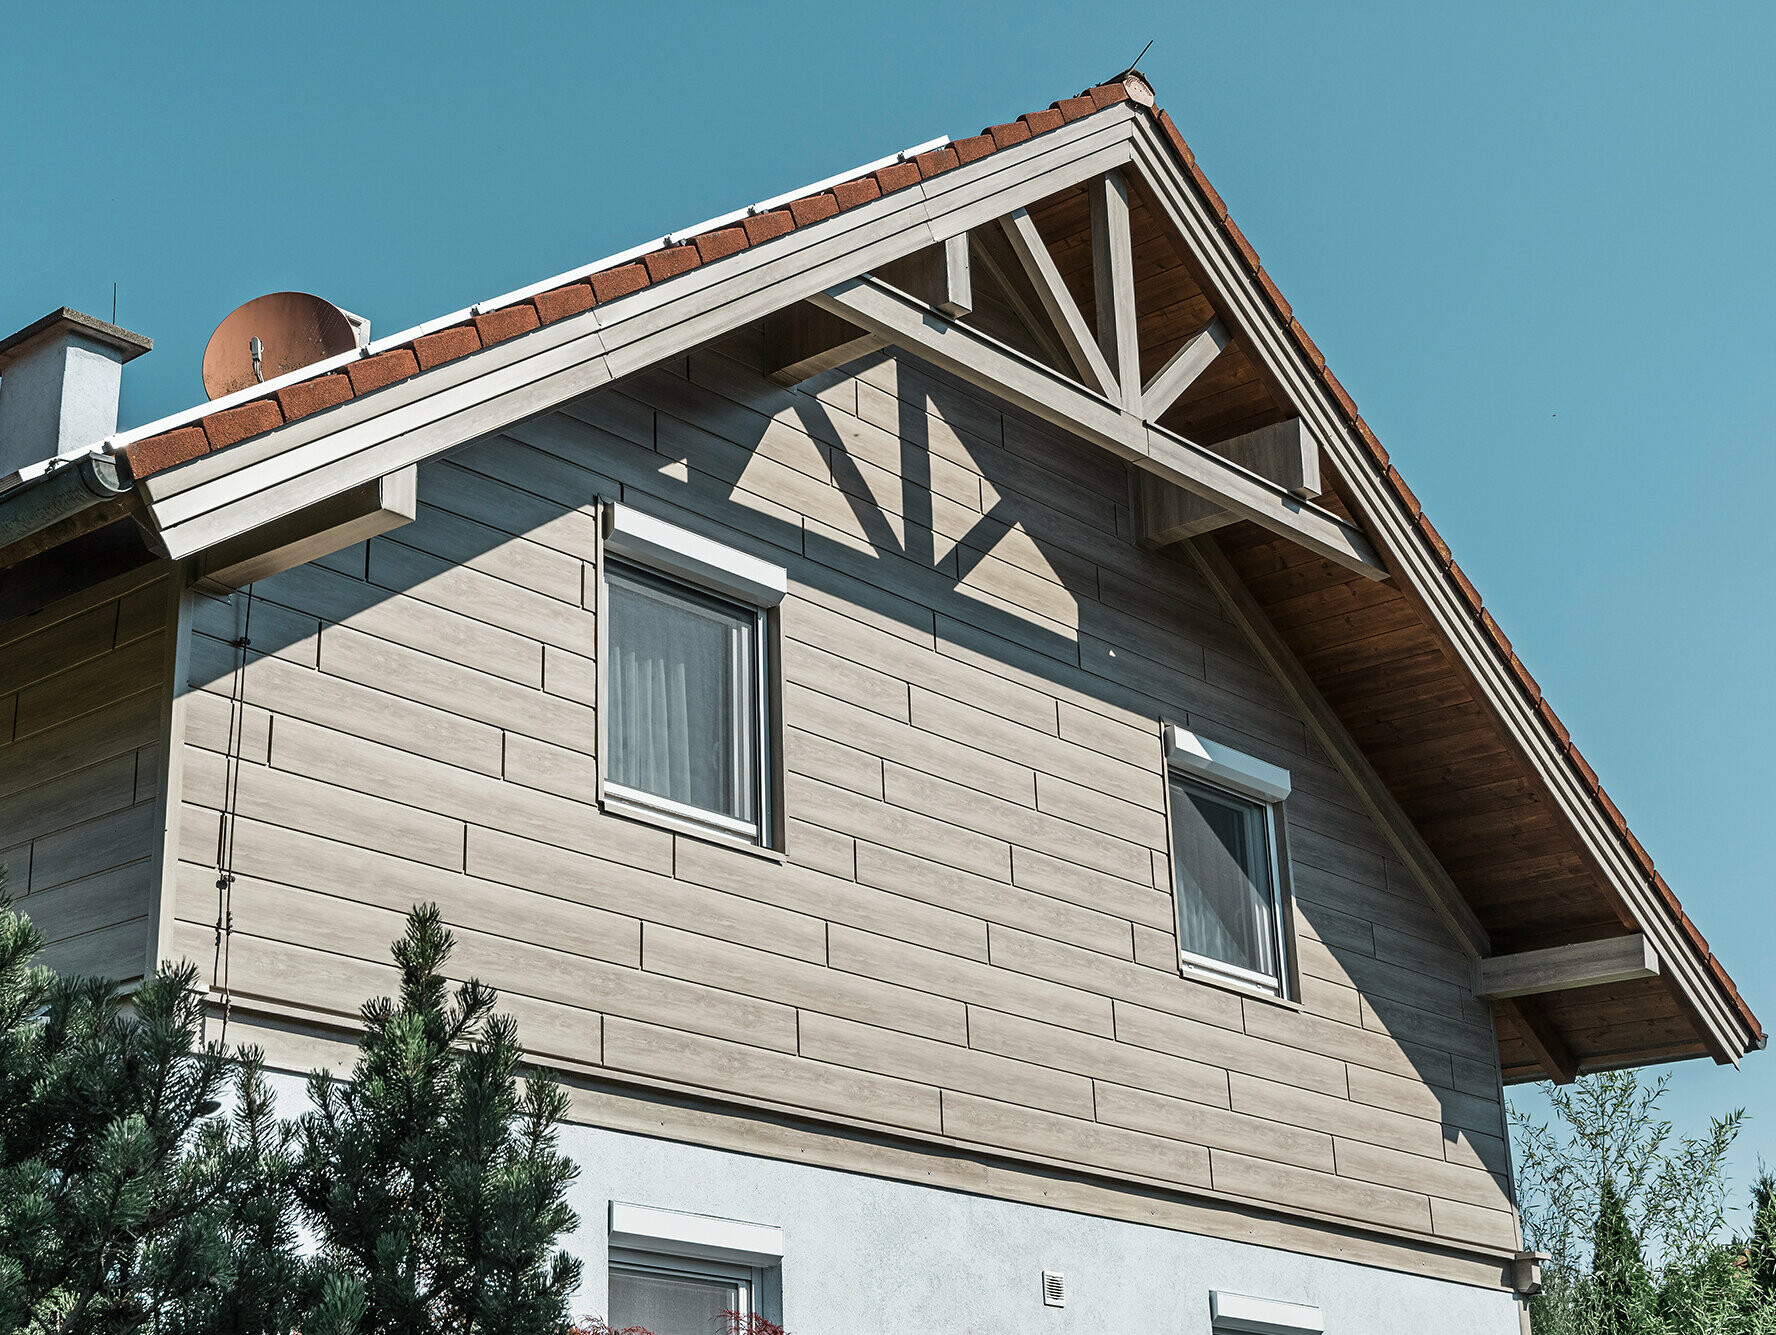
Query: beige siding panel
x,y
1121,979
447,485
121,727
843,679
1041,750
1216,1128
1329,1113
1101,1058
967,980
889,1052
427,785
88,686
114,952
212,723
359,711
1137,901
67,799
94,846
1451,1182
896,827
817,757
693,1059
809,890
934,753
1470,1223
570,675
1236,1052
535,616
430,680
565,771
58,647
117,895
274,630
332,597
994,901
322,808
616,885
843,635
527,566
1443,1105
1073,1140
330,922
809,987
1322,1193
1044,833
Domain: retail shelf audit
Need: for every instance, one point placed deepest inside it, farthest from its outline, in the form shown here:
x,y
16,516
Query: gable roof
x,y
1431,607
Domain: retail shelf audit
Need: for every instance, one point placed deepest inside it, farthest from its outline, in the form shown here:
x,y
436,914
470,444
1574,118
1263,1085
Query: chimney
x,y
59,380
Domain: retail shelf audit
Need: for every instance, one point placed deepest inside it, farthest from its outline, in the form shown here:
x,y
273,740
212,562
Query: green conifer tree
x,y
432,1178
125,1203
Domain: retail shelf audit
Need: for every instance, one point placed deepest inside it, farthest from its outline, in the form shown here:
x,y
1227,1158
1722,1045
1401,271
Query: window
x,y
1227,867
686,687
675,1273
675,1296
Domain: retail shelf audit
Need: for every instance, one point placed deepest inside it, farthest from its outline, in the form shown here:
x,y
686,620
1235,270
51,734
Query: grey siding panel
x,y
82,693
971,933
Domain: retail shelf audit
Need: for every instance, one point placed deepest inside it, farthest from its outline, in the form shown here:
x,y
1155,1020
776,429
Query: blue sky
x,y
1533,240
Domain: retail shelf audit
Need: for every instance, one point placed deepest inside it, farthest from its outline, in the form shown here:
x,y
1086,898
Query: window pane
x,y
682,696
1226,908
671,1304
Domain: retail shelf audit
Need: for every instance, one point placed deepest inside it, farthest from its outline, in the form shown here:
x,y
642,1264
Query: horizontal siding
x,y
81,698
971,934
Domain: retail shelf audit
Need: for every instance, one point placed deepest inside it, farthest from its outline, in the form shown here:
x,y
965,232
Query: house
x,y
1058,842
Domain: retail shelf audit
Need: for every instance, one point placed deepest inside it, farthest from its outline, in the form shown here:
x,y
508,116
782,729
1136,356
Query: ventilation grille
x,y
1054,1289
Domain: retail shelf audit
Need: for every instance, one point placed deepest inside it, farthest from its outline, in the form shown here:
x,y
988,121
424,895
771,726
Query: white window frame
x,y
677,555
675,1242
1222,768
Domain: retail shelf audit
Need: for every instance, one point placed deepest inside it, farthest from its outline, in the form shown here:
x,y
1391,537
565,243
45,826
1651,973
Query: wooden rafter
x,y
1186,365
1540,1036
1063,312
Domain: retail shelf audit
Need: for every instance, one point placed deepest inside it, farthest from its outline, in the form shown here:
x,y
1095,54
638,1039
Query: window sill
x,y
1209,978
613,805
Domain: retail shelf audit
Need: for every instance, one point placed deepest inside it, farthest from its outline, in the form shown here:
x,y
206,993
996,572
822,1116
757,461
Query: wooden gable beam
x,y
1113,273
1186,365
1036,389
803,341
1541,1037
1063,312
1614,959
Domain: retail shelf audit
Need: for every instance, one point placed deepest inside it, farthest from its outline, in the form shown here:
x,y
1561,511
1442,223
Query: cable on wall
x,y
237,713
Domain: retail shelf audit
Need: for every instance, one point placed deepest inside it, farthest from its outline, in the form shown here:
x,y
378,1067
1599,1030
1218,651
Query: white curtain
x,y
680,697
1222,855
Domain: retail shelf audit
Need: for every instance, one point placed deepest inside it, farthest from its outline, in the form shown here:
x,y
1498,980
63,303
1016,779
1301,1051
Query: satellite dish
x,y
274,335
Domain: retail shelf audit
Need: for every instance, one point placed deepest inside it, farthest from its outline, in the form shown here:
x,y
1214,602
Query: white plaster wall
x,y
868,1256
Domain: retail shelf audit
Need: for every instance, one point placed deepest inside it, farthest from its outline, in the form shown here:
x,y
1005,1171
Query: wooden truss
x,y
921,304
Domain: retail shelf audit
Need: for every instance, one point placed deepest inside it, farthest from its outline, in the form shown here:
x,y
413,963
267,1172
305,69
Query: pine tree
x,y
122,1198
432,1178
